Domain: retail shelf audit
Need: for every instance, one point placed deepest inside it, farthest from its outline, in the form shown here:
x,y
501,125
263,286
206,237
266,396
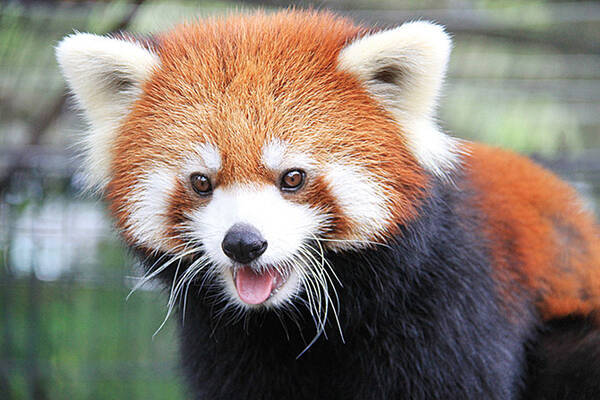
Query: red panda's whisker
x,y
334,306
190,272
324,259
321,283
175,257
189,281
155,251
326,277
313,281
309,286
169,305
178,285
186,282
352,241
148,276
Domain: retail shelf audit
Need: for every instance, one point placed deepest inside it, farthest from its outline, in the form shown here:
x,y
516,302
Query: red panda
x,y
321,237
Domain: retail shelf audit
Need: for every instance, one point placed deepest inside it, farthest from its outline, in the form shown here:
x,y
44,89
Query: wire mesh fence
x,y
524,75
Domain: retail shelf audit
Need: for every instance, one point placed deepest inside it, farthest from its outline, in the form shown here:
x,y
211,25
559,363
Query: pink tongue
x,y
254,288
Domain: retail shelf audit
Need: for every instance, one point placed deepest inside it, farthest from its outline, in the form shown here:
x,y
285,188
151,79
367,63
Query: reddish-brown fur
x,y
220,81
534,220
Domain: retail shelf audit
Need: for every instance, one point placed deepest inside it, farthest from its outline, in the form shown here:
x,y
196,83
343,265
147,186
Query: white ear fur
x,y
404,69
106,75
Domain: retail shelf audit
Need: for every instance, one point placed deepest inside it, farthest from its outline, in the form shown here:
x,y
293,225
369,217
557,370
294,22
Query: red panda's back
x,y
545,246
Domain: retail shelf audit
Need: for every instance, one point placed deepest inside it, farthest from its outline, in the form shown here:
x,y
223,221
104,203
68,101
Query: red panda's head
x,y
252,144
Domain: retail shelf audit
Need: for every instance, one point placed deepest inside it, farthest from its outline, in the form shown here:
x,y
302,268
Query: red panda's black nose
x,y
243,243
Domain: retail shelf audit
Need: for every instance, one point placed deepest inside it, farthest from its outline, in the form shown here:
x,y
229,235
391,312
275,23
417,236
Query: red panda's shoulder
x,y
542,238
517,179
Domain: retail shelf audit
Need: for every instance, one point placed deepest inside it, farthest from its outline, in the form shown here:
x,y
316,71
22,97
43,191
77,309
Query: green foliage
x,y
87,342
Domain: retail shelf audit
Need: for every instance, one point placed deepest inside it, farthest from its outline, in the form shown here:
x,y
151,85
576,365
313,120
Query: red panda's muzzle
x,y
256,287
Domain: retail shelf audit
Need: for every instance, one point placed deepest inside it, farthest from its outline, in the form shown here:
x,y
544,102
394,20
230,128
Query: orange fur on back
x,y
541,238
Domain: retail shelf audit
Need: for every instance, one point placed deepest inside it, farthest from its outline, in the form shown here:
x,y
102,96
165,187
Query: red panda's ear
x,y
404,68
105,74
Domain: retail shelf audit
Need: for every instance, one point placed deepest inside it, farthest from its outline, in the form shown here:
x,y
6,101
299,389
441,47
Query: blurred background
x,y
525,75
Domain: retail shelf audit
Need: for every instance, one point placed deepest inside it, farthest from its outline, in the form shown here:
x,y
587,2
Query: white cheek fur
x,y
287,226
148,205
362,201
284,224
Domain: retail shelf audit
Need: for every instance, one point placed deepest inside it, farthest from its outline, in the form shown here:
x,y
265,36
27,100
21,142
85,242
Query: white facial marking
x,y
278,155
361,199
285,225
211,157
436,151
203,158
148,205
272,154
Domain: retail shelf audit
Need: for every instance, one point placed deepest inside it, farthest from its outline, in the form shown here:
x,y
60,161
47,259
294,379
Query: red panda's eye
x,y
292,180
201,184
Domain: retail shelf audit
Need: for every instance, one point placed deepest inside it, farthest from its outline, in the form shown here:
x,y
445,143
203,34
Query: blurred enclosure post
x,y
524,75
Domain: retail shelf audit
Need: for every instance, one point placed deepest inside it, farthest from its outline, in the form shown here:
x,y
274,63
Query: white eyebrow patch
x,y
278,155
211,156
272,154
204,157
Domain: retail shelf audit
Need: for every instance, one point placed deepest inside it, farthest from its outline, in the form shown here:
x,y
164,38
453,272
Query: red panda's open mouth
x,y
255,287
